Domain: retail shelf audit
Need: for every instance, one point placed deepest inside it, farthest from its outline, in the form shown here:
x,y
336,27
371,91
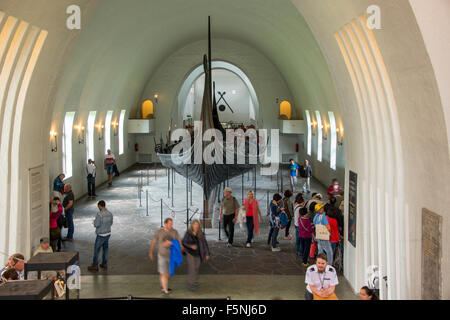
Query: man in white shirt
x,y
90,170
321,280
18,263
109,163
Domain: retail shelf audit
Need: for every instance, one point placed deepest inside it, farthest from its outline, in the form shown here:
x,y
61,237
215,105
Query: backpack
x,y
302,171
283,219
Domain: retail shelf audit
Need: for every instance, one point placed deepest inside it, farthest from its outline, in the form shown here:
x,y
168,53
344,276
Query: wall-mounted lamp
x,y
340,136
115,124
54,140
80,133
325,132
156,97
314,125
100,128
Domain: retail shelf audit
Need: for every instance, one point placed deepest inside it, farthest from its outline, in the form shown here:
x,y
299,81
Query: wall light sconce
x,y
100,128
54,140
314,125
340,136
80,133
325,132
115,124
156,97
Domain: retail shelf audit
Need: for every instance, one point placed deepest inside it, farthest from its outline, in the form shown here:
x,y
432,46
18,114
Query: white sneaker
x,y
228,244
276,249
248,245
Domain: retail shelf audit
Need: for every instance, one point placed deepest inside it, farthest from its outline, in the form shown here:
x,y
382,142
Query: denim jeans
x,y
286,230
306,246
250,228
91,186
298,246
306,184
325,245
273,234
101,242
293,183
71,227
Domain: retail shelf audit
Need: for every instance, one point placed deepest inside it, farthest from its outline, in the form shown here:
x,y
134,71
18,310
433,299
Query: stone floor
x,y
134,227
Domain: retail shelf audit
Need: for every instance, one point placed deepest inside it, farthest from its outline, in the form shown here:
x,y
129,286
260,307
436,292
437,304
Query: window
x,y
333,137
67,144
109,115
319,136
90,135
121,120
285,110
308,123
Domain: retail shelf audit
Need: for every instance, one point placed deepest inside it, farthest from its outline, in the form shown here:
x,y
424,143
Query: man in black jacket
x,y
306,174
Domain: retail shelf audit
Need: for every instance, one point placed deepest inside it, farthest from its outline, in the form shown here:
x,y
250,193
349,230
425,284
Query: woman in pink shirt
x,y
305,232
252,210
55,229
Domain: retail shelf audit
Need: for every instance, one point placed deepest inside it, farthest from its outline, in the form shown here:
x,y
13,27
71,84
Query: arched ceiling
x,y
125,41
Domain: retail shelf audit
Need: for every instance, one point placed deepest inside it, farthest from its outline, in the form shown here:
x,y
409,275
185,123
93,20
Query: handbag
x,y
322,232
313,250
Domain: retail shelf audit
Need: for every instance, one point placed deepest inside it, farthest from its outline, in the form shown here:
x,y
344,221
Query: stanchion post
x,y
168,183
255,183
173,180
146,197
187,198
161,212
242,189
281,179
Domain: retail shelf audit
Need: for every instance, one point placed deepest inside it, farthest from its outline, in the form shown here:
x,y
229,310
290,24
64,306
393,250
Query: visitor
x,y
339,198
367,294
163,237
293,169
68,204
58,186
306,174
102,223
311,205
275,221
229,209
305,231
109,163
197,250
18,263
299,204
56,211
289,209
44,246
330,204
321,280
334,188
252,210
334,236
9,275
323,244
91,172
9,265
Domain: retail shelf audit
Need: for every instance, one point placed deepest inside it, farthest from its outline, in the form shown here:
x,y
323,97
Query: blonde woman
x,y
197,250
252,210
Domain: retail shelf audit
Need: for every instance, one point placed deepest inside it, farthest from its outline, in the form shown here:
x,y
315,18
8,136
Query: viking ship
x,y
244,152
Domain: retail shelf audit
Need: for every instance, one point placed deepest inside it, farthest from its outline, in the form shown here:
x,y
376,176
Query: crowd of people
x,y
318,227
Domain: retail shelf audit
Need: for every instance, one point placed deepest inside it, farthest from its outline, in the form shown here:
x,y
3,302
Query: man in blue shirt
x,y
293,169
